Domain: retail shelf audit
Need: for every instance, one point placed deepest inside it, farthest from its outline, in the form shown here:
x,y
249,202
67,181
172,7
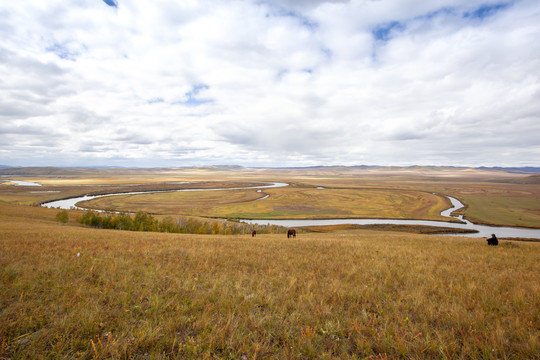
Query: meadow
x,y
284,203
73,292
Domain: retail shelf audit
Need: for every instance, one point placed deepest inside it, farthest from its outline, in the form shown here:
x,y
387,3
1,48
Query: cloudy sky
x,y
270,83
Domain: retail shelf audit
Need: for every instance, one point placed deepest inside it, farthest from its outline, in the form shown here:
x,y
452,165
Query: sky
x,y
140,83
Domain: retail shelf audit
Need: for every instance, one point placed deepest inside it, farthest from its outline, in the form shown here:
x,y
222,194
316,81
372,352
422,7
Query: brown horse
x,y
253,233
291,232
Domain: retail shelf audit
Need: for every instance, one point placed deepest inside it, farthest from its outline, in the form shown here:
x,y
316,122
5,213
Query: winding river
x,y
71,203
483,230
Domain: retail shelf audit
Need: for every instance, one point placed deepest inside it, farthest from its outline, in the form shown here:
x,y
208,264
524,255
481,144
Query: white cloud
x,y
140,83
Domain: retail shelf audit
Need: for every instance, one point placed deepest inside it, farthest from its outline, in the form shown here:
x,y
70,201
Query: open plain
x,y
70,291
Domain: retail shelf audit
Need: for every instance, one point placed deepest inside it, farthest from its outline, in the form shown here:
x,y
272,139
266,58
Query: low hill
x,y
435,172
524,169
532,179
33,171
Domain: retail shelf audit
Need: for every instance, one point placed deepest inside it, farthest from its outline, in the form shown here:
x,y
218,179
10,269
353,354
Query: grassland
x,y
487,199
72,292
516,205
78,293
289,202
491,196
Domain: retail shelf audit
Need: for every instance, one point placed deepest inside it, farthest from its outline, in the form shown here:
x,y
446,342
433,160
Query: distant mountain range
x,y
526,169
19,170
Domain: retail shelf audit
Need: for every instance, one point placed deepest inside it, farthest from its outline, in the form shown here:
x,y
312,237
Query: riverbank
x,y
460,224
413,229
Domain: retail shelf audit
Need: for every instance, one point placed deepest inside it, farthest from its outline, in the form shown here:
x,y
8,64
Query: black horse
x,y
253,233
291,232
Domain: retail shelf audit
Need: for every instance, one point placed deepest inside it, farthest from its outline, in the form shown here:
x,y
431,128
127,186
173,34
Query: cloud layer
x,y
168,83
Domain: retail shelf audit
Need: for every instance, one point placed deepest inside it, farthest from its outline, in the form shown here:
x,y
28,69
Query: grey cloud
x,y
29,133
28,66
17,142
80,119
29,85
184,152
406,135
20,110
126,136
281,137
95,146
28,130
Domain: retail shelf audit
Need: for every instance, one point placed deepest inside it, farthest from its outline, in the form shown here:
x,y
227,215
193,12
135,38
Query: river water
x,y
23,183
483,230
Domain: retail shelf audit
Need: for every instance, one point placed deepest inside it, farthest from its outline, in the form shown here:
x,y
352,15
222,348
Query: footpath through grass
x,y
73,292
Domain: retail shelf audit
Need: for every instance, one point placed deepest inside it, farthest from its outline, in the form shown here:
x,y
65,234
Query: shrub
x,y
146,222
62,217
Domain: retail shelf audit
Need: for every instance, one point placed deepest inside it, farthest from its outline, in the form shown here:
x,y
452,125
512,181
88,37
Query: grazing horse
x,y
253,233
291,232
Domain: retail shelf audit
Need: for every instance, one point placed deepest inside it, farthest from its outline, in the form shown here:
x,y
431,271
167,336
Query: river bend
x,y
483,230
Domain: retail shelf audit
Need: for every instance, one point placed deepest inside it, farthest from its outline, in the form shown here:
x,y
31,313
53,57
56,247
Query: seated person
x,y
493,240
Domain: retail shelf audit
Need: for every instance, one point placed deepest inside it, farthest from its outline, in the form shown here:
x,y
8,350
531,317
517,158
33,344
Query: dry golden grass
x,y
509,204
487,201
349,295
192,203
288,202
